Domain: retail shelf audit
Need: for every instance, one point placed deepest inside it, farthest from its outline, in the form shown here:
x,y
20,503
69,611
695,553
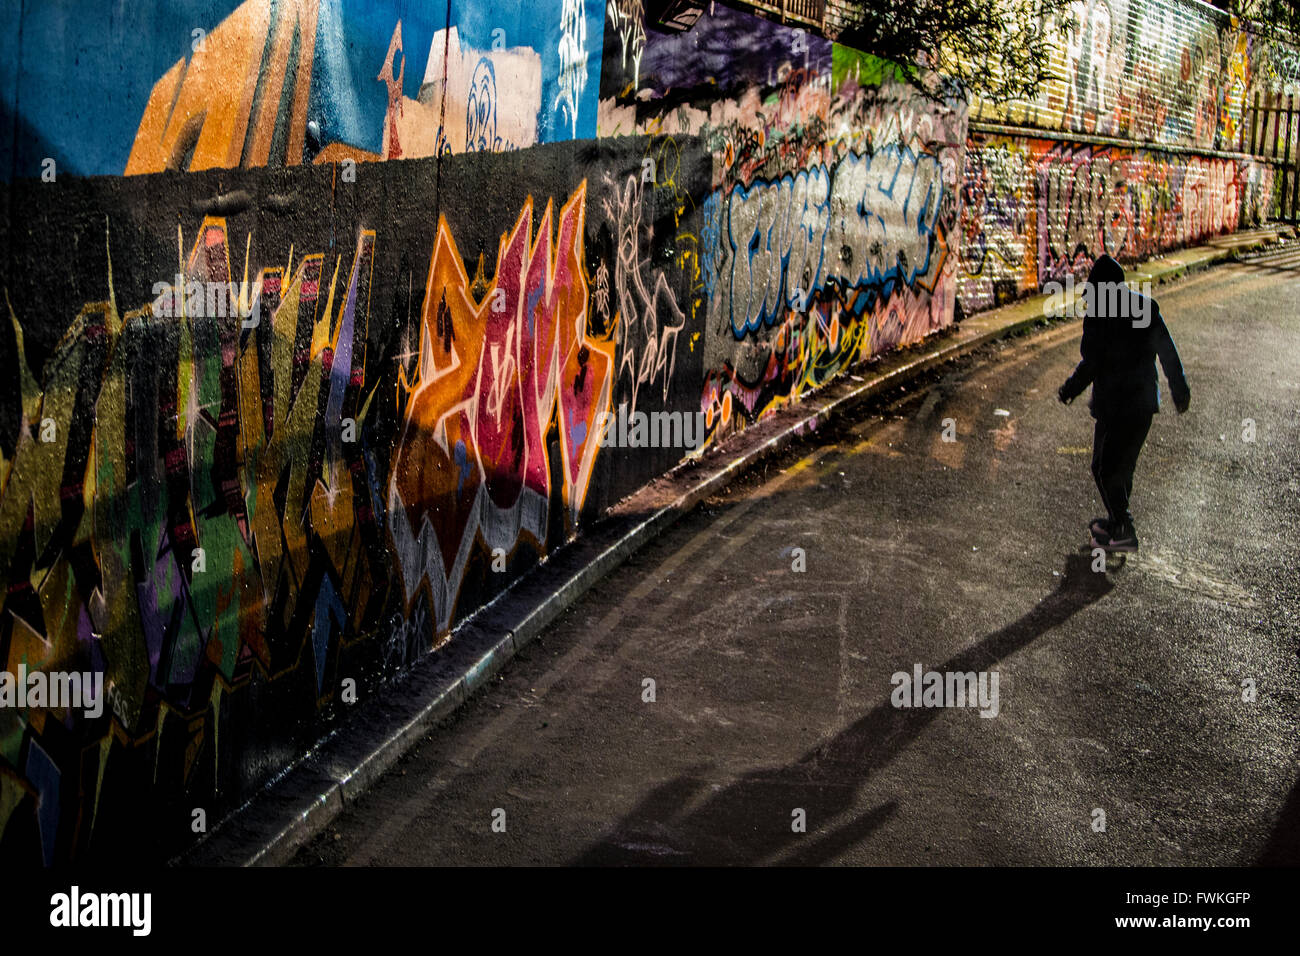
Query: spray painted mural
x,y
1035,209
826,238
290,437
1167,72
1164,72
204,84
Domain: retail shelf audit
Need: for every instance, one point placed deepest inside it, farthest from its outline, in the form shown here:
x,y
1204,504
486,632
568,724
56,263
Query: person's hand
x,y
1065,397
1183,402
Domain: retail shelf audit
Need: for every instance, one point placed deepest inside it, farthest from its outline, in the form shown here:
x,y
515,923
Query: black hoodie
x,y
1123,334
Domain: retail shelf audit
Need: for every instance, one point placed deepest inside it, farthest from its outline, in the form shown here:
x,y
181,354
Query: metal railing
x,y
810,12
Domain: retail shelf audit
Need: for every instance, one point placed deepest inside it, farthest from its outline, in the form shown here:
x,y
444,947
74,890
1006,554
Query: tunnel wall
x,y
328,320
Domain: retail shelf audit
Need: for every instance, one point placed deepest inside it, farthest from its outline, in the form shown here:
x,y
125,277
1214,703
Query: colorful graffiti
x,y
1138,69
1154,71
273,462
494,370
213,498
1037,209
277,427
754,91
836,188
869,224
229,84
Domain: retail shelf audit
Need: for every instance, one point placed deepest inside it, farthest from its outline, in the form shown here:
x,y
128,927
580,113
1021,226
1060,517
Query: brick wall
x,y
838,15
1133,151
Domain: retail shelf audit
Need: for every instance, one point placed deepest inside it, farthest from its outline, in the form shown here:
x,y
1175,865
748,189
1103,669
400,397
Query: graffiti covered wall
x,y
1156,73
310,358
202,84
279,432
1034,210
1163,72
826,238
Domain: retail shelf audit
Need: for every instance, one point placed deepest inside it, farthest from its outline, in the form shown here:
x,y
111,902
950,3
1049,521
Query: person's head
x,y
1105,269
1106,289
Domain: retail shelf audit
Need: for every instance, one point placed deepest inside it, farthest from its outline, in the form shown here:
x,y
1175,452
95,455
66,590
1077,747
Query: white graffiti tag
x,y
573,60
648,315
628,19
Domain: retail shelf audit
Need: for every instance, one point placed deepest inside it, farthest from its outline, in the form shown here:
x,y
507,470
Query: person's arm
x,y
1172,364
1086,370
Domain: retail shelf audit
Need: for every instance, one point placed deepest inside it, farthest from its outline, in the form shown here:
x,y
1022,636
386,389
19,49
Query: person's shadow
x,y
749,821
1283,846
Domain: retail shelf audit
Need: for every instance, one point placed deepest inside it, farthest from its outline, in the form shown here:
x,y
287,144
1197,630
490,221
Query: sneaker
x,y
1123,539
1099,527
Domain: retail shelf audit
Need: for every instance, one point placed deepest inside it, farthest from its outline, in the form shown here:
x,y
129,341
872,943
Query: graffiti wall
x,y
1172,73
1165,72
202,84
826,238
1034,210
273,432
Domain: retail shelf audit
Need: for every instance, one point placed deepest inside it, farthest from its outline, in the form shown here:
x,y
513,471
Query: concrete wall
x,y
828,235
1035,209
314,311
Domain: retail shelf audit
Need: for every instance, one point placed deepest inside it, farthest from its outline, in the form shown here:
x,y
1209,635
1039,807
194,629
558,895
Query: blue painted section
x,y
63,61
538,25
329,617
76,89
352,37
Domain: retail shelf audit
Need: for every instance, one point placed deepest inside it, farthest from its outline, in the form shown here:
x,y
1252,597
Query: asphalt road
x,y
1119,691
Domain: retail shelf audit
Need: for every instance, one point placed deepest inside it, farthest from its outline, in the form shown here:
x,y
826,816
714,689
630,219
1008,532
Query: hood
x,y
1105,269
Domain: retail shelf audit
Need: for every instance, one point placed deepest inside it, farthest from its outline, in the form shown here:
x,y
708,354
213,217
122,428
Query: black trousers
x,y
1116,444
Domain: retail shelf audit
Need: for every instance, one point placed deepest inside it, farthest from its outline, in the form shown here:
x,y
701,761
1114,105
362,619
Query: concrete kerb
x,y
303,800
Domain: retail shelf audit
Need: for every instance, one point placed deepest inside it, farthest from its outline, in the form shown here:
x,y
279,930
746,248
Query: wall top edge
x,y
1034,132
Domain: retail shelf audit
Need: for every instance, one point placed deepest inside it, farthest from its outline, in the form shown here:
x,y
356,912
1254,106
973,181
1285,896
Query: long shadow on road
x,y
1283,847
749,821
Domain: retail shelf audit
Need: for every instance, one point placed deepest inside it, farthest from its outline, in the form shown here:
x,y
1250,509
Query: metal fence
x,y
810,12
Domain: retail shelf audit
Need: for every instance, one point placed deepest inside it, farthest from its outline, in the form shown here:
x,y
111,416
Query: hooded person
x,y
1123,335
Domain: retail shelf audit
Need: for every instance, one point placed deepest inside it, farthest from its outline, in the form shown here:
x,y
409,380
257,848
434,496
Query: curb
x,y
306,797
